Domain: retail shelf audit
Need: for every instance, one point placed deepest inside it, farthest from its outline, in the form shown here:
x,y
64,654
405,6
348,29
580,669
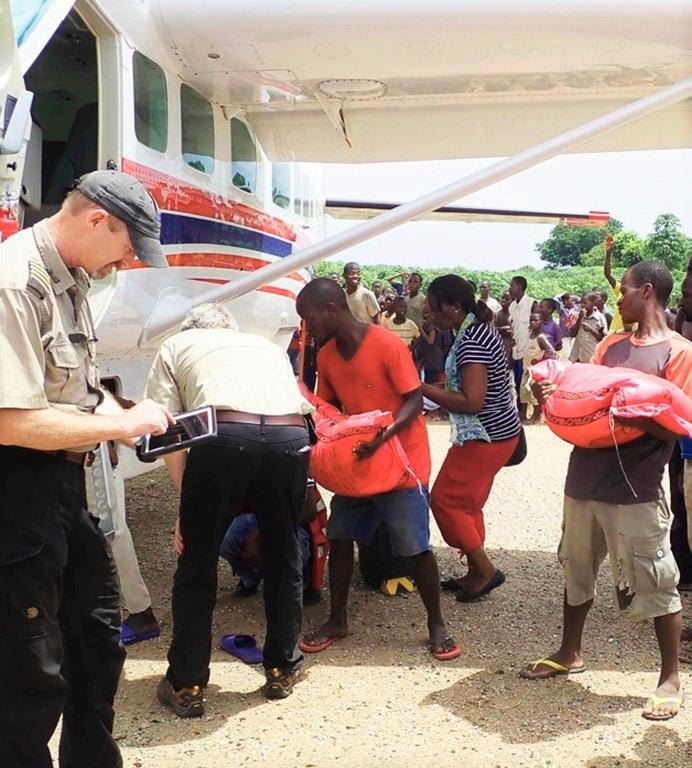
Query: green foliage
x,y
566,245
667,243
628,249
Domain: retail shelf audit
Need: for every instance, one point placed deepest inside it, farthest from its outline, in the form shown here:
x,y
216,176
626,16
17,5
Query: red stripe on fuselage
x,y
217,261
175,195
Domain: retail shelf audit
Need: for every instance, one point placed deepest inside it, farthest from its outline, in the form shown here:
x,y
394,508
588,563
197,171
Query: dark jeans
x,y
678,532
264,464
60,649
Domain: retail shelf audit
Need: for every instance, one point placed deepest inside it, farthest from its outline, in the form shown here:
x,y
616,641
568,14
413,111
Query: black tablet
x,y
190,429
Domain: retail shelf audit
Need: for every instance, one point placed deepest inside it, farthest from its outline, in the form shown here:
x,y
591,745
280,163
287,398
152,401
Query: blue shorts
x,y
405,513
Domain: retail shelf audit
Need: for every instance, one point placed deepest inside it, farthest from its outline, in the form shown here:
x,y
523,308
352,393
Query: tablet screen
x,y
189,429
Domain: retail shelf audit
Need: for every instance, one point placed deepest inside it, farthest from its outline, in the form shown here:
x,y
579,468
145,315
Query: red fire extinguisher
x,y
9,223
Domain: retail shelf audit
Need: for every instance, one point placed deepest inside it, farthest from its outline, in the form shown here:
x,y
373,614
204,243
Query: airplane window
x,y
281,184
151,103
243,157
197,128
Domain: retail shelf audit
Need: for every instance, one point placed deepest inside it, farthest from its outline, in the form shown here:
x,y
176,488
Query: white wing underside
x,y
399,80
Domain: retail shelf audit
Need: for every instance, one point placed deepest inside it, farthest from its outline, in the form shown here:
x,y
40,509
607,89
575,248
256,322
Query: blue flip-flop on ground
x,y
129,637
243,647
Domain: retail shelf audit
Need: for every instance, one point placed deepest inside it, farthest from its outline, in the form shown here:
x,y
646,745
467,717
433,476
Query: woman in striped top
x,y
485,428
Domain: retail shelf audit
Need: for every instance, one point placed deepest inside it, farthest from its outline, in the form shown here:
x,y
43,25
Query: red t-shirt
x,y
376,378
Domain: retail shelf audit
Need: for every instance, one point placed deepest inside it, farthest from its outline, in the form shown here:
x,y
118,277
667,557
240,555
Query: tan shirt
x,y
414,307
521,315
363,304
229,369
47,341
408,331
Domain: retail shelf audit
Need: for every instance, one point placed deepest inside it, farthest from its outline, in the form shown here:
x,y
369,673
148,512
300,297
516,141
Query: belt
x,y
239,417
83,459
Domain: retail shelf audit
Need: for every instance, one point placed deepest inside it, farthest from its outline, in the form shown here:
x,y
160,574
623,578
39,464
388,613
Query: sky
x,y
634,187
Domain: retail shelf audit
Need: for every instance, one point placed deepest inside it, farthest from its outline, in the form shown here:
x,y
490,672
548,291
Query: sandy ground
x,y
378,698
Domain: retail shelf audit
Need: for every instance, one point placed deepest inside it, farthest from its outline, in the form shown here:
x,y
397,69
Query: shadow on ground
x,y
486,698
660,748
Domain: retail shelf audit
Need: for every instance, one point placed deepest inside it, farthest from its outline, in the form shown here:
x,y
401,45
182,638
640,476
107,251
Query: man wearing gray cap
x,y
59,602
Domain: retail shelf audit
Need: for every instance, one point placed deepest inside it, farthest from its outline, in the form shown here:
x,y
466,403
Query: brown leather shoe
x,y
279,684
185,702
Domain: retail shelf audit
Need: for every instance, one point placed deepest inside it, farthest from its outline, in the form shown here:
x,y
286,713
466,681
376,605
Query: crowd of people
x,y
245,494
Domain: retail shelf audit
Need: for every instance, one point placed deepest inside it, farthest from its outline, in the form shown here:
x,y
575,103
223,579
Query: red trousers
x,y
462,487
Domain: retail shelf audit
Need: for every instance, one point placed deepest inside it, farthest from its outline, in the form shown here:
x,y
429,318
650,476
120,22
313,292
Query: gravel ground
x,y
378,699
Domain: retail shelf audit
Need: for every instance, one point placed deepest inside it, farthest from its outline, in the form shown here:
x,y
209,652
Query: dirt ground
x,y
378,698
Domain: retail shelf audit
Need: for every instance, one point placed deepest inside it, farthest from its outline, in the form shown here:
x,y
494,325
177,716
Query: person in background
x,y
616,324
493,304
376,288
415,298
601,302
485,429
294,351
539,348
546,309
261,452
399,282
614,503
588,330
362,368
333,276
361,301
398,323
60,606
520,311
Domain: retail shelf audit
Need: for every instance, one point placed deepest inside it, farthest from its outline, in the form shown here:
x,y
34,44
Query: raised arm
x,y
607,265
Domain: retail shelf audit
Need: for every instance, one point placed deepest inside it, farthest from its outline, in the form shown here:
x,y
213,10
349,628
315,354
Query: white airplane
x,y
223,107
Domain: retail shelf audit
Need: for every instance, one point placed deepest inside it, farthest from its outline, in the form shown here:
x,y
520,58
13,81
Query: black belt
x,y
83,459
240,417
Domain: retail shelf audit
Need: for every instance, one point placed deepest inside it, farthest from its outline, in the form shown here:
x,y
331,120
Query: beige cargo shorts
x,y
636,537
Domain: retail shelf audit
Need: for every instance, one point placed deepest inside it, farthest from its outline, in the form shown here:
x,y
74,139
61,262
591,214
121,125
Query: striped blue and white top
x,y
481,343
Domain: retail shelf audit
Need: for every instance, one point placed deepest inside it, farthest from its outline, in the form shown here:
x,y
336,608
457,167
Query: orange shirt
x,y
376,378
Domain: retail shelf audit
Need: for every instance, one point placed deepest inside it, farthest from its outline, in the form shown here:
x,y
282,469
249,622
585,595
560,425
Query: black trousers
x,y
60,649
678,532
265,466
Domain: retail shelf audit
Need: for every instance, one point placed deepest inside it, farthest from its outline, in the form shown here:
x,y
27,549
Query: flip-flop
x,y
129,637
464,596
448,655
451,585
557,670
243,647
306,647
656,701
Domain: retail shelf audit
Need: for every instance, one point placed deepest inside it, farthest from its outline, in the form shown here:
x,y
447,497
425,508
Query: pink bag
x,y
333,464
589,397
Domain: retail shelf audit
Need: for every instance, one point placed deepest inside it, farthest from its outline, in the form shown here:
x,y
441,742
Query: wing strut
x,y
169,317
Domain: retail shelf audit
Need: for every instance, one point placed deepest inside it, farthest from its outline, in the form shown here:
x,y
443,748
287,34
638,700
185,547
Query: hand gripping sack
x,y
588,398
333,464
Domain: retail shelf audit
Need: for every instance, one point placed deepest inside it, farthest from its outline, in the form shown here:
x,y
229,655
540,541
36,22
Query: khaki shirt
x,y
229,369
47,340
363,304
408,331
414,308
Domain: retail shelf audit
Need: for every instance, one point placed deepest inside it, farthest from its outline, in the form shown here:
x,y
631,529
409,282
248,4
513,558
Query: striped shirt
x,y
482,344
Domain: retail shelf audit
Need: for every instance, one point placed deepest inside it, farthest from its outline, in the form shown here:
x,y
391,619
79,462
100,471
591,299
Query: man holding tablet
x,y
261,453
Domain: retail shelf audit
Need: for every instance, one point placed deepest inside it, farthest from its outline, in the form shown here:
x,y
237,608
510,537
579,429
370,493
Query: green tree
x,y
566,245
629,248
667,243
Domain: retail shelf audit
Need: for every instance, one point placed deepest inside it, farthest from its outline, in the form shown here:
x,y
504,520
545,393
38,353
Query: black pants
x,y
265,466
60,649
678,532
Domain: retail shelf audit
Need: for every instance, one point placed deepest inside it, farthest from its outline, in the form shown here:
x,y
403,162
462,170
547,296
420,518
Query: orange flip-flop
x,y
447,655
317,647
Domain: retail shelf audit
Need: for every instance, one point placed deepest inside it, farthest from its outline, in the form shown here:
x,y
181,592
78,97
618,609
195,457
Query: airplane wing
x,y
385,80
361,210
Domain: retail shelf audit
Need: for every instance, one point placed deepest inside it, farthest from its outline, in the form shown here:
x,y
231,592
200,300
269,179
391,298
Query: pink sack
x,y
589,397
333,464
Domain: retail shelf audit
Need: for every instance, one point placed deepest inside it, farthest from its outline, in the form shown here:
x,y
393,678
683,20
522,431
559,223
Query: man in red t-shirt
x,y
362,368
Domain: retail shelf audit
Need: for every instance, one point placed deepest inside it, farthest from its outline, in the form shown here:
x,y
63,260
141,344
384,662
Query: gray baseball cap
x,y
128,199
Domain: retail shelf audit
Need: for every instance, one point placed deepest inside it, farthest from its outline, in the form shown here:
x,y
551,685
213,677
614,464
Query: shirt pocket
x,y
65,382
653,566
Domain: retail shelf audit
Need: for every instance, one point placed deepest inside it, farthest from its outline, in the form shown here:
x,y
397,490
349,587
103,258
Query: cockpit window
x,y
243,157
197,129
151,103
281,184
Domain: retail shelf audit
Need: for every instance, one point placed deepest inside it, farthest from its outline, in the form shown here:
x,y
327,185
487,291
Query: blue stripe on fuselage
x,y
185,230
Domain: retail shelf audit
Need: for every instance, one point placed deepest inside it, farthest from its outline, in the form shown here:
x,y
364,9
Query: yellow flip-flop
x,y
656,701
558,670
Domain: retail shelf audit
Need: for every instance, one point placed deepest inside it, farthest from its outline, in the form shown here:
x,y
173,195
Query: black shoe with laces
x,y
279,684
185,702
